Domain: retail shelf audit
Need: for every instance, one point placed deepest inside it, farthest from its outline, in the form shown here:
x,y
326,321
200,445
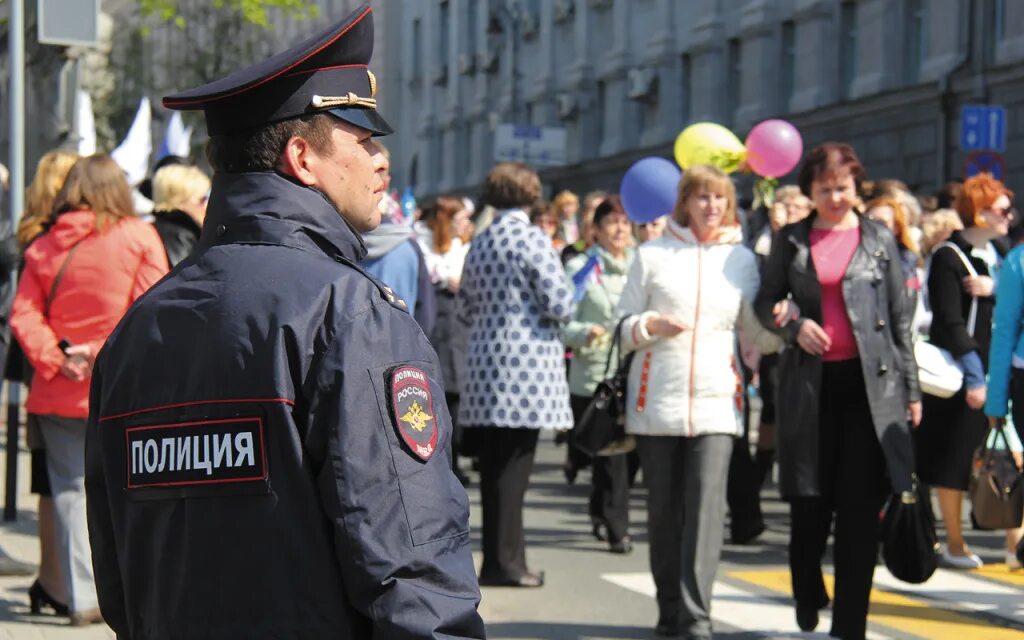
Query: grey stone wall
x,y
625,76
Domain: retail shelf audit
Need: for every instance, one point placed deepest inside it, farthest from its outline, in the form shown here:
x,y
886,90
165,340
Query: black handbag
x,y
910,546
601,429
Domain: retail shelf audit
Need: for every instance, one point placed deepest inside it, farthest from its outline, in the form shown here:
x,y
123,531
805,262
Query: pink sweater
x,y
832,250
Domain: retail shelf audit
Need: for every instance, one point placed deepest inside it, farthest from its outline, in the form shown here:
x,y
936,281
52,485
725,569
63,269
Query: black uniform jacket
x,y
874,290
248,474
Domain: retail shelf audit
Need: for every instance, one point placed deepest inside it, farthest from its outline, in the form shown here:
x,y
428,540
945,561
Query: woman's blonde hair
x,y
178,185
51,171
565,197
936,228
698,178
901,226
96,184
785,192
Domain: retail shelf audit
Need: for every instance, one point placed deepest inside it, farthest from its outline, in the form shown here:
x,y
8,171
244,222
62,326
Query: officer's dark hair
x,y
511,185
260,149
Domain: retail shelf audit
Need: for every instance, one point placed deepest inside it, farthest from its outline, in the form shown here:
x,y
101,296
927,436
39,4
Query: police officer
x,y
267,452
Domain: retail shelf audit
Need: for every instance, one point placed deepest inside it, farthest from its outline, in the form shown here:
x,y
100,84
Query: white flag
x,y
132,155
177,139
85,126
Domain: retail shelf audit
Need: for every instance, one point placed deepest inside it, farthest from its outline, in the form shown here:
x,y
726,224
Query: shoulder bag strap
x,y
57,279
615,349
972,318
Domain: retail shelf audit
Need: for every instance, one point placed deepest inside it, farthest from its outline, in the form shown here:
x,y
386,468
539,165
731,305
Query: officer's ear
x,y
300,161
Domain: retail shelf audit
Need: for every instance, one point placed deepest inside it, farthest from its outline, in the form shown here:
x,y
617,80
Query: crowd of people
x,y
816,299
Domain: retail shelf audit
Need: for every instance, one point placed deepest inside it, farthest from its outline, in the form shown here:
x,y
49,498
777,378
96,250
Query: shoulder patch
x,y
412,410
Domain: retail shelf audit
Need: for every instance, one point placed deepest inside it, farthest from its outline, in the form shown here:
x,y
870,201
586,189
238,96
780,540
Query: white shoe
x,y
1012,563
969,561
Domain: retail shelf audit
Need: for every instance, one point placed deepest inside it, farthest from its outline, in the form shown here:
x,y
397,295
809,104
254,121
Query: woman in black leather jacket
x,y
834,288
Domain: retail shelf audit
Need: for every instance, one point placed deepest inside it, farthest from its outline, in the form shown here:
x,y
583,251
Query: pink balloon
x,y
774,148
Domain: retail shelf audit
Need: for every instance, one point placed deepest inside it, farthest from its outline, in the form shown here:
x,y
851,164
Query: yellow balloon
x,y
709,143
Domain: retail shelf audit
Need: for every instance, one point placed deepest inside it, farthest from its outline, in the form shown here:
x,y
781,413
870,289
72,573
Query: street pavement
x,y
594,595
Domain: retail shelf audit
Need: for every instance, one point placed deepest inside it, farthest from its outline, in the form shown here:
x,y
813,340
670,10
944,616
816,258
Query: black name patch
x,y
207,452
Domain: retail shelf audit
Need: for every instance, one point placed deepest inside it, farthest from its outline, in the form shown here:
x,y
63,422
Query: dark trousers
x,y
686,479
1017,398
744,491
609,485
452,400
853,482
506,459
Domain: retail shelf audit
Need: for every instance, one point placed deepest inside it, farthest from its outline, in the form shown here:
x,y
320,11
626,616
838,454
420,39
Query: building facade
x,y
624,77
147,56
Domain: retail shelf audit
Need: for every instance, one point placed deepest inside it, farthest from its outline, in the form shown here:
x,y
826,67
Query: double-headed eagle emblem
x,y
416,417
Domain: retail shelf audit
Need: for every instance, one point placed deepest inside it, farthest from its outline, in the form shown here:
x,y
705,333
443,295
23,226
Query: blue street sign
x,y
987,161
982,127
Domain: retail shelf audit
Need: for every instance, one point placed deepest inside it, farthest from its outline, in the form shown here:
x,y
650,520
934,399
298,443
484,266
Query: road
x,y
592,594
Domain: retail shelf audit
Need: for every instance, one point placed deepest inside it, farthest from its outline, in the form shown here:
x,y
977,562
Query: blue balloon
x,y
648,189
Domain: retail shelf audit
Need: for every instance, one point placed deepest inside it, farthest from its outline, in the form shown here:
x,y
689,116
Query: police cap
x,y
328,72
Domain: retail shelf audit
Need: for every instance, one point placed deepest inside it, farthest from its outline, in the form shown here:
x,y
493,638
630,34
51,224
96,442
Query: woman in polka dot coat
x,y
514,298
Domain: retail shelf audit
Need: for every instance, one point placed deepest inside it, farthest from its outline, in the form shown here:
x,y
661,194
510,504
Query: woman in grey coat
x,y
514,298
848,388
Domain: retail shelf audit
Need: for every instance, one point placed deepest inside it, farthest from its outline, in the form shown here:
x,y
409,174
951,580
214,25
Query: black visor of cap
x,y
367,119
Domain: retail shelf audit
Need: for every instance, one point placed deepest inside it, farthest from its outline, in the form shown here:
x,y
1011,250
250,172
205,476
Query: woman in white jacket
x,y
686,295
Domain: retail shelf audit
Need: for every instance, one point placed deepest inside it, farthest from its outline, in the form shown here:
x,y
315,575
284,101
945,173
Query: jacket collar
x,y
512,214
726,234
178,218
71,227
609,263
267,207
957,238
802,230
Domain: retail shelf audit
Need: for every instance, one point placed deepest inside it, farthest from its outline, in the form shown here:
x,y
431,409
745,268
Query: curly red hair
x,y
979,193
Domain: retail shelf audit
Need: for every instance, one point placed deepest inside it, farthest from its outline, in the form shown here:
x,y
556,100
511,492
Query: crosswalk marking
x,y
899,612
747,611
1000,573
959,587
941,608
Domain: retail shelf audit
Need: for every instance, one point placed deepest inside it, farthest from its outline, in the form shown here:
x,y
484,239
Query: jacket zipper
x,y
693,340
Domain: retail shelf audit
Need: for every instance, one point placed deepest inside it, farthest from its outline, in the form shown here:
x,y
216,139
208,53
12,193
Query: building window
x,y
847,47
417,50
444,33
916,40
734,67
472,16
602,102
995,29
686,82
787,64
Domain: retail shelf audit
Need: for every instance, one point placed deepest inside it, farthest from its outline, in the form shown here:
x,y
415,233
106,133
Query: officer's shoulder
x,y
358,291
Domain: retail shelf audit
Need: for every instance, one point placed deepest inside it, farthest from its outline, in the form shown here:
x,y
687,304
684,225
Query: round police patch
x,y
412,407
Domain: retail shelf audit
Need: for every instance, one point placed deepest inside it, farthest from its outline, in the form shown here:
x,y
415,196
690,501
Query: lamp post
x,y
16,132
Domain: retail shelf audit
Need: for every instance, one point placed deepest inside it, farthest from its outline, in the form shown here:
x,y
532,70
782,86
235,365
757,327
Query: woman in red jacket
x,y
79,279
